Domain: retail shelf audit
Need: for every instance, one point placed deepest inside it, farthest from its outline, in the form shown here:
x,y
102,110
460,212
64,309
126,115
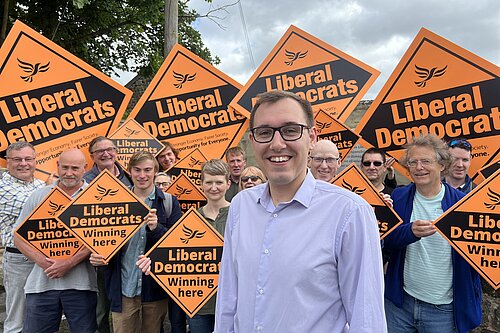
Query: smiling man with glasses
x,y
300,255
324,160
429,286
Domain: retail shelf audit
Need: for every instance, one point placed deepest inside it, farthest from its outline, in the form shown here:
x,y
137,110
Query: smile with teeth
x,y
279,158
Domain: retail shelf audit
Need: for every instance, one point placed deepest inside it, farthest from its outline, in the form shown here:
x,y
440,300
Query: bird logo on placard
x,y
322,125
495,200
54,208
193,162
183,78
104,192
351,188
31,69
191,234
181,191
292,56
129,132
427,74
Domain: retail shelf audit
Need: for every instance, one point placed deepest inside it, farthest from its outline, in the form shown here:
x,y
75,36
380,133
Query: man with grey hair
x,y
16,185
429,286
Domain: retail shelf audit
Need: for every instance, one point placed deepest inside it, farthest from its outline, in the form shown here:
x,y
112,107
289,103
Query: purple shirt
x,y
309,265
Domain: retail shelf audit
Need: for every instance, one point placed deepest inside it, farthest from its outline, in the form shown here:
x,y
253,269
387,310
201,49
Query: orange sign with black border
x,y
330,129
472,227
105,215
486,171
52,99
330,79
187,192
186,261
187,103
190,165
43,232
441,88
131,137
353,179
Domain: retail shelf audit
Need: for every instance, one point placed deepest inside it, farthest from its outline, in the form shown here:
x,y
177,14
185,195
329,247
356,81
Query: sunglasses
x,y
460,143
375,163
247,178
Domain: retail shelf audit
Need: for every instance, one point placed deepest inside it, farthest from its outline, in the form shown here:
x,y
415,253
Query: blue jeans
x,y
202,323
44,311
418,316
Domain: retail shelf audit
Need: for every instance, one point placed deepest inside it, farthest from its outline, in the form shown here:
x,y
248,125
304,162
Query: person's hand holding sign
x,y
151,219
423,228
97,260
144,264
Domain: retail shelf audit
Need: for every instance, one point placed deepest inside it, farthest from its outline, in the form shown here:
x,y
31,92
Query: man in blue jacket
x,y
429,286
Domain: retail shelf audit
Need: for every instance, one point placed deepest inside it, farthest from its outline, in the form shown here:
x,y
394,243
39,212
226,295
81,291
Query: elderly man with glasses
x,y
429,286
324,160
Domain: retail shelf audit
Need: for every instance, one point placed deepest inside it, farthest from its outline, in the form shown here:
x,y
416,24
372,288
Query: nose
x,y
277,143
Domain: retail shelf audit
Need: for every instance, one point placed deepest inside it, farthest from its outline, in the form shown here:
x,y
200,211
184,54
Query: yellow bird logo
x,y
104,192
183,78
351,188
427,74
191,234
322,125
495,200
31,69
181,191
292,56
54,208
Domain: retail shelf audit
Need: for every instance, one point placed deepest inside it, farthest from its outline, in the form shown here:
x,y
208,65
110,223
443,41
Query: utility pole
x,y
171,23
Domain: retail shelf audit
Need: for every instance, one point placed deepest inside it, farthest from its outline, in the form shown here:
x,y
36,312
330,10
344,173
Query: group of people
x,y
300,254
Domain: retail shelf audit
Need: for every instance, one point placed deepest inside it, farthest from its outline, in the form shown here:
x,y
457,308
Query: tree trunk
x,y
171,22
5,18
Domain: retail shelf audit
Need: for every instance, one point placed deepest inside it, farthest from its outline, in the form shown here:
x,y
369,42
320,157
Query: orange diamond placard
x,y
105,215
441,88
190,165
330,79
186,261
187,103
52,99
330,129
43,232
187,192
472,227
131,137
353,179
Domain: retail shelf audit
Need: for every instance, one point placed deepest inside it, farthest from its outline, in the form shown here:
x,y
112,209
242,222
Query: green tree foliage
x,y
110,34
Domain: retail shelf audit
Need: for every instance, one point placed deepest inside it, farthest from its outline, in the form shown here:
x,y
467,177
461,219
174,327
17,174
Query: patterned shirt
x,y
13,195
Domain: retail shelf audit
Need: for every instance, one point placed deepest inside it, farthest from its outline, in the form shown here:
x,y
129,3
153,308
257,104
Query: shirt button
x,y
258,328
266,251
275,215
261,291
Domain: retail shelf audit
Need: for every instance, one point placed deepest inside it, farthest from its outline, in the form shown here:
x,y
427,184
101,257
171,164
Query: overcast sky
x,y
377,32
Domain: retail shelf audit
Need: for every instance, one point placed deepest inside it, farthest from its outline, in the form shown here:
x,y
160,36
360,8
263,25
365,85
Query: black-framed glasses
x,y
328,160
108,150
162,184
460,143
244,179
265,134
375,163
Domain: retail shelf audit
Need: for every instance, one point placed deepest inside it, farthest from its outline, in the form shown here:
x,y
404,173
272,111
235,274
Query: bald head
x,y
324,160
71,168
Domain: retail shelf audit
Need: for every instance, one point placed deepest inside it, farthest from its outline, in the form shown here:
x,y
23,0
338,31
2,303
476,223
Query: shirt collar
x,y
304,194
7,176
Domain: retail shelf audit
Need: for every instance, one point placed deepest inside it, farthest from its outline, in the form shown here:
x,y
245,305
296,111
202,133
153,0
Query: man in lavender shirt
x,y
300,255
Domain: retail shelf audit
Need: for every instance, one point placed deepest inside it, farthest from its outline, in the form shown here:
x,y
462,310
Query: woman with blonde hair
x,y
251,176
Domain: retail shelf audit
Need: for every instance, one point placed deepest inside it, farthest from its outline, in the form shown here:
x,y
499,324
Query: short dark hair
x,y
273,96
235,151
168,145
374,150
96,140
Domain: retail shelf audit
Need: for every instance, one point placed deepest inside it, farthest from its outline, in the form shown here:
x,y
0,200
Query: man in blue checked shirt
x,y
300,255
16,186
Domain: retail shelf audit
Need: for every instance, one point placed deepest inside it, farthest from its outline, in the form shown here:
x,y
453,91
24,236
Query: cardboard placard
x,y
187,103
441,88
105,215
187,192
52,99
43,232
354,180
472,227
186,261
330,79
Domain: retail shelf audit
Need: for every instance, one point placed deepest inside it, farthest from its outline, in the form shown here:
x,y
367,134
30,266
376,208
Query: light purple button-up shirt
x,y
309,265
